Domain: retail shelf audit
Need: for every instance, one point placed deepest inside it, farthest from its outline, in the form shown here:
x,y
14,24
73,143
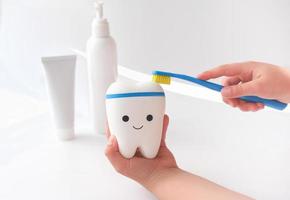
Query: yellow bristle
x,y
161,79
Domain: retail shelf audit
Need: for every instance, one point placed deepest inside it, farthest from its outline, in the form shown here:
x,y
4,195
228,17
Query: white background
x,y
250,153
184,36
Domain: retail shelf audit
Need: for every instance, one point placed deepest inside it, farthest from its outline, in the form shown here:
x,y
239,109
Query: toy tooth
x,y
135,115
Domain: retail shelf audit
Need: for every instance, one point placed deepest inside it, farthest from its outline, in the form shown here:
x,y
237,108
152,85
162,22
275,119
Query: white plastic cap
x,y
100,25
99,9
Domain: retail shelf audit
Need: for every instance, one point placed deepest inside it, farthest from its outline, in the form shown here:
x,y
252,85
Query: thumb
x,y
243,89
164,130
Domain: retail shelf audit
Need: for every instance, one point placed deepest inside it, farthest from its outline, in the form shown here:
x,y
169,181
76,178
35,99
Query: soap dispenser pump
x,y
102,67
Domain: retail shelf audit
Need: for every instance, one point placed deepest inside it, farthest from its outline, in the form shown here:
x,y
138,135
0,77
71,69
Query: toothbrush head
x,y
162,79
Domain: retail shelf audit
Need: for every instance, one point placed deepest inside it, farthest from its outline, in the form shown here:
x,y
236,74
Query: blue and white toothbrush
x,y
165,77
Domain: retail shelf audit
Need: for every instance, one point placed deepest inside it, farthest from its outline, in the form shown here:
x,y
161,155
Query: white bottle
x,y
102,67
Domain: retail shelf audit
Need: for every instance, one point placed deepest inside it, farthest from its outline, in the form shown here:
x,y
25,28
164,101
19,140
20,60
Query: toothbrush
x,y
165,78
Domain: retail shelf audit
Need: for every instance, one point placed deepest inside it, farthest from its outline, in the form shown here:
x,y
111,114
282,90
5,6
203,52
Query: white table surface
x,y
246,152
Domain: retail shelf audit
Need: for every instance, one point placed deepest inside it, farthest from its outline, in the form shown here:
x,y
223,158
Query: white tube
x,y
60,77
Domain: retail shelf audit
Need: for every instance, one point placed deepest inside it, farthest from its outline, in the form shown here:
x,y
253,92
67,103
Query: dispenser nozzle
x,y
99,9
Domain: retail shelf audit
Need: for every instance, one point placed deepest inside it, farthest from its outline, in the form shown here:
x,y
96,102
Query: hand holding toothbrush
x,y
251,79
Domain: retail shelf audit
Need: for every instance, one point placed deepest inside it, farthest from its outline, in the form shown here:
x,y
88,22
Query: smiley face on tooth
x,y
135,115
126,118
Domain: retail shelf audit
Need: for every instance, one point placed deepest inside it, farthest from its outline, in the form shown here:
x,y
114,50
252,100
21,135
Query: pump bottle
x,y
102,67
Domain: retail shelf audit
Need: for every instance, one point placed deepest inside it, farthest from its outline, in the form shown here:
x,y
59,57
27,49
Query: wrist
x,y
158,177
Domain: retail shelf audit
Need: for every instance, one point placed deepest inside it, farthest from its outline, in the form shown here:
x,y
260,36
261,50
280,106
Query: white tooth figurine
x,y
135,115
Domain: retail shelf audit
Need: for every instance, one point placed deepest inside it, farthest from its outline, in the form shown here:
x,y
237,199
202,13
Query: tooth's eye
x,y
125,118
149,118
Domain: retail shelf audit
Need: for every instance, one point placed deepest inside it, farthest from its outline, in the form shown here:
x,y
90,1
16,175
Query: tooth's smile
x,y
138,128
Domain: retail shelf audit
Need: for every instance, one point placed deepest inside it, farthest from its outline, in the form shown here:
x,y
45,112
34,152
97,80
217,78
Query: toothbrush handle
x,y
216,87
267,102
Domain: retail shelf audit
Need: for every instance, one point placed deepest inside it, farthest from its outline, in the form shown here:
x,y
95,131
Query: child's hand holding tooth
x,y
162,176
251,78
138,168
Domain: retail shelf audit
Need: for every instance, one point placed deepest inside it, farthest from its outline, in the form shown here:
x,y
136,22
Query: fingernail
x,y
260,105
226,91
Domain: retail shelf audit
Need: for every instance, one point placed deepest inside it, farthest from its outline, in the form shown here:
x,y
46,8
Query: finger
x,y
164,152
248,106
231,81
261,106
112,146
107,133
232,102
244,89
114,156
228,82
243,105
164,130
223,70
